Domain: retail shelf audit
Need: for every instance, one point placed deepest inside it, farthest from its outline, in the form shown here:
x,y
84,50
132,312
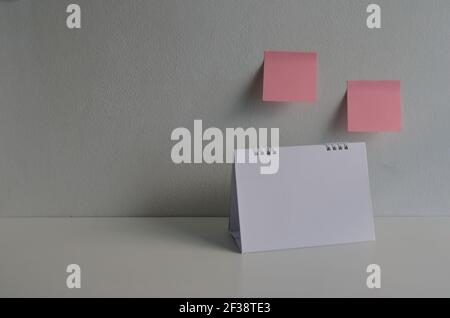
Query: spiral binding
x,y
329,147
336,147
265,151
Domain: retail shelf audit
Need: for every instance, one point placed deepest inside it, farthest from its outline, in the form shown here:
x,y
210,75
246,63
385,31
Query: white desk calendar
x,y
319,196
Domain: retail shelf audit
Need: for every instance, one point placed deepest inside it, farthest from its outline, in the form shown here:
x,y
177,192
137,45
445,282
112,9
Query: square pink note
x,y
374,106
289,77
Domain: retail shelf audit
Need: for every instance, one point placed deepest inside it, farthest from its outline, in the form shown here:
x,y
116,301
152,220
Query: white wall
x,y
86,116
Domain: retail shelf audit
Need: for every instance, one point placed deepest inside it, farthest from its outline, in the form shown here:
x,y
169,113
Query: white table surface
x,y
196,257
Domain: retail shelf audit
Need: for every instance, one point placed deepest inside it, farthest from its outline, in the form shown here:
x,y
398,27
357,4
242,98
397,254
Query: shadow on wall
x,y
336,128
210,199
338,122
250,102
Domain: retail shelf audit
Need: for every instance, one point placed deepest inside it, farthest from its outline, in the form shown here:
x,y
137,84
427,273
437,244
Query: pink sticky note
x,y
374,106
289,77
